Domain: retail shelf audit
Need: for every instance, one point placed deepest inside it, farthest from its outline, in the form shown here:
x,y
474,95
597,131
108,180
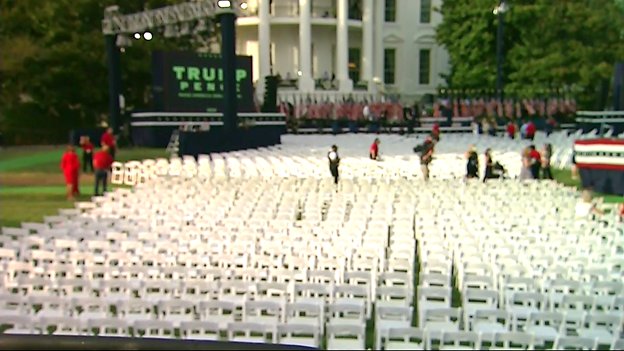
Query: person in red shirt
x,y
102,162
108,139
374,149
511,130
70,167
530,130
435,133
87,154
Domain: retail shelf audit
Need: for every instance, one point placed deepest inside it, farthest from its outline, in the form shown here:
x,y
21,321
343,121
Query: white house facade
x,y
338,47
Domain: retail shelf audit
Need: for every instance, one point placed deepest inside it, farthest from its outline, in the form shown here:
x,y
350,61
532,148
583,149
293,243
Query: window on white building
x,y
424,67
391,11
389,66
354,64
425,11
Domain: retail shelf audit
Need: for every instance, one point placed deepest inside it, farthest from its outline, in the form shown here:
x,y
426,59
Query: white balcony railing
x,y
290,9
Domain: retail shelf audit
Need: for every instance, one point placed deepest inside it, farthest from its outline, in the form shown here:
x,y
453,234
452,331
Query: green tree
x,y
546,43
54,69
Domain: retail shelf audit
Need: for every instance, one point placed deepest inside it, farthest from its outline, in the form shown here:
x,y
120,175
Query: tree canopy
x,y
546,44
54,68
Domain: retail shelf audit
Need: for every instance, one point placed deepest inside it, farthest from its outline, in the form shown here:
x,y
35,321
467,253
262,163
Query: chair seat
x,y
385,324
397,345
346,321
18,331
345,344
202,337
254,340
268,320
521,312
177,320
471,309
436,329
222,321
544,333
602,335
488,329
309,342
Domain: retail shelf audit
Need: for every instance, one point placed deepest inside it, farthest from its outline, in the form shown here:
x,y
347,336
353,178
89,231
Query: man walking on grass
x,y
102,162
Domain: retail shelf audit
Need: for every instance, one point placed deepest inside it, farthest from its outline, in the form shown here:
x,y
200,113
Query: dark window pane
x,y
389,66
424,67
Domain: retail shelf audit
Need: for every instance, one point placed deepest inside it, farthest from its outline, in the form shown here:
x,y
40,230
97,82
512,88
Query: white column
x,y
264,44
367,43
306,81
379,46
342,47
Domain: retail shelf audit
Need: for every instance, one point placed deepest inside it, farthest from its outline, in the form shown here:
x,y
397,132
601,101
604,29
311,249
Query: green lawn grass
x,y
48,161
31,206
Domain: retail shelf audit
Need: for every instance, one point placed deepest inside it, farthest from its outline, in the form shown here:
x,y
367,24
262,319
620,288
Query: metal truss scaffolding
x,y
116,23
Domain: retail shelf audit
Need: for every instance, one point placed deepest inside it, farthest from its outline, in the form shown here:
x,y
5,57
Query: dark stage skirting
x,y
603,181
152,136
215,140
601,165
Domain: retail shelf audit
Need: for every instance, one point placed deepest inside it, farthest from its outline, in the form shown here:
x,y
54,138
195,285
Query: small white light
x,y
243,6
147,36
122,49
224,4
137,36
299,73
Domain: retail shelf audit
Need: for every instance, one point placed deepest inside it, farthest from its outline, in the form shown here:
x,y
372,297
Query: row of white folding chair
x,y
601,327
267,310
305,260
115,289
289,334
423,339
133,253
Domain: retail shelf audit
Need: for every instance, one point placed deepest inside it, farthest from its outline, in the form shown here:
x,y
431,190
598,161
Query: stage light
x,y
243,6
224,4
147,36
137,36
299,73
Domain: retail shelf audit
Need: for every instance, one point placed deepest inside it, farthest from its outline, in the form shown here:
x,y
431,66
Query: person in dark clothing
x,y
334,163
102,162
491,167
426,156
87,154
383,121
536,159
546,156
472,164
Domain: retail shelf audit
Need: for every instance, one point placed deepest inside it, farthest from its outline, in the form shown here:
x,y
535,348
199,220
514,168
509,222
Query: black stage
x,y
203,133
215,140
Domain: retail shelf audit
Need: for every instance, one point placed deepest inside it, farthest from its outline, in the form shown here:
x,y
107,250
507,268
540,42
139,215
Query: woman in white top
x,y
585,208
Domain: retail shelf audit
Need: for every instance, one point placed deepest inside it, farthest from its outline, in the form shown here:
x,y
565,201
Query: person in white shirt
x,y
586,208
366,113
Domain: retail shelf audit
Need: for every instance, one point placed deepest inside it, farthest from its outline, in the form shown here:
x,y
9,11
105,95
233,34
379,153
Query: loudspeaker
x,y
270,95
618,87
